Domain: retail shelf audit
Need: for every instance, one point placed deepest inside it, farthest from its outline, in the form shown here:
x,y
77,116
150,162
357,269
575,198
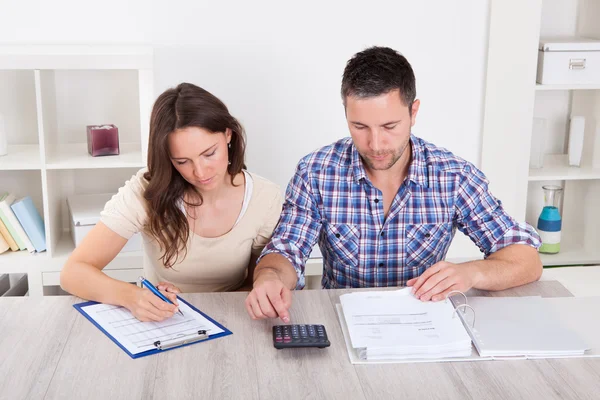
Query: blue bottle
x,y
550,222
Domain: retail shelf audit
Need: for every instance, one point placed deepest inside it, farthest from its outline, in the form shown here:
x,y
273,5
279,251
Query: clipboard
x,y
164,345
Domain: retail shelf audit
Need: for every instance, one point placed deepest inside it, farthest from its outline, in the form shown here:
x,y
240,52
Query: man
x,y
384,205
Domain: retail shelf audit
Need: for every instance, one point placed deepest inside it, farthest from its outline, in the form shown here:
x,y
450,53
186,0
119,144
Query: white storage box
x,y
568,61
84,213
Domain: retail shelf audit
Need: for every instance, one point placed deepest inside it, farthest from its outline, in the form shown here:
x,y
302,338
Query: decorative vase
x,y
550,222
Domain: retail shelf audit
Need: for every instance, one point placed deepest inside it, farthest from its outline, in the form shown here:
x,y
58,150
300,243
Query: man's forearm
x,y
511,266
276,266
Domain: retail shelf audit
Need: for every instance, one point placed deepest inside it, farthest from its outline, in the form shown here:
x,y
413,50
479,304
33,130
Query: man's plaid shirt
x,y
330,199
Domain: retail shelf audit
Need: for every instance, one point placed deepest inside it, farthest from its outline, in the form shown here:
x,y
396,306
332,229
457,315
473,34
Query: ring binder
x,y
459,306
459,292
465,305
167,344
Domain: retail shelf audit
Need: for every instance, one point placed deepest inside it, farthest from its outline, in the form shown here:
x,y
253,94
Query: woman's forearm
x,y
88,282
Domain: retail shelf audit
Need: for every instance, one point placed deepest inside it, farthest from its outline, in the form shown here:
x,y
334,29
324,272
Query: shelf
x,y
76,156
21,157
567,87
65,246
556,168
75,57
571,255
17,262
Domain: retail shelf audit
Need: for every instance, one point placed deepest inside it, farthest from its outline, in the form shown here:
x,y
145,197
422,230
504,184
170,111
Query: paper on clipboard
x,y
138,337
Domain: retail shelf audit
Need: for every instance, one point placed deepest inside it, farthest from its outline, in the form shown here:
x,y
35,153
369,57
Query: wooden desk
x,y
49,351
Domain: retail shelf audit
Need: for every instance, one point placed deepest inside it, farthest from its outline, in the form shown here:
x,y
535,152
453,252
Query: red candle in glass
x,y
103,140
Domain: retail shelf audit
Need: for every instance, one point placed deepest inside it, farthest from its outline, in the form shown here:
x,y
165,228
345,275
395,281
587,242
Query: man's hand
x,y
442,278
270,298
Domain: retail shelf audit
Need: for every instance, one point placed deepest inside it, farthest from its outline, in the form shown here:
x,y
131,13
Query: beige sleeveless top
x,y
211,264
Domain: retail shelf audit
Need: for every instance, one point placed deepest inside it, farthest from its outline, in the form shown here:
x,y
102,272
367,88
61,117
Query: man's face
x,y
380,128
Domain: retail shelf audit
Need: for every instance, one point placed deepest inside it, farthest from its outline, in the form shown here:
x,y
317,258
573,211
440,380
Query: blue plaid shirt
x,y
330,199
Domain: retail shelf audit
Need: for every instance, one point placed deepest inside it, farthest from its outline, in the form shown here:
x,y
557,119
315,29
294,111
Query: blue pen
x,y
154,290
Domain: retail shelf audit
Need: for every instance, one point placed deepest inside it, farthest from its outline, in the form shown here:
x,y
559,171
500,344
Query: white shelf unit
x,y
50,93
580,241
556,168
566,87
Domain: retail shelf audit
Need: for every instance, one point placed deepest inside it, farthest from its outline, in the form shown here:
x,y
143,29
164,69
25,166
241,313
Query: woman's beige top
x,y
211,264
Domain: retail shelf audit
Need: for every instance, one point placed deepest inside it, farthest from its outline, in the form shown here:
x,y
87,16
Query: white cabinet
x,y
48,95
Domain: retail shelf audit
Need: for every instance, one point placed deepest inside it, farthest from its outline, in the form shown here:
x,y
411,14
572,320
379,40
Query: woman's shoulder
x,y
263,186
134,187
126,212
139,182
265,194
141,175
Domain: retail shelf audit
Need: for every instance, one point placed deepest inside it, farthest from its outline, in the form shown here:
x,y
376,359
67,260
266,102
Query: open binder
x,y
521,327
498,327
139,339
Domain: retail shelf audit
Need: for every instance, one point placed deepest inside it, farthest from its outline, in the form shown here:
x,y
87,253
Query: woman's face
x,y
200,156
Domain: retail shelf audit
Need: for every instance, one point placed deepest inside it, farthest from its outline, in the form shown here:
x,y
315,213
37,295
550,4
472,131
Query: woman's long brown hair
x,y
184,106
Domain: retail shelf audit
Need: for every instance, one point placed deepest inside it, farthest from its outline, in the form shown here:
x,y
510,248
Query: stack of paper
x,y
394,325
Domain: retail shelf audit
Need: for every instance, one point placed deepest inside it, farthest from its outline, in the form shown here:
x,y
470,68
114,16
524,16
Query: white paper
x,y
138,337
354,358
395,324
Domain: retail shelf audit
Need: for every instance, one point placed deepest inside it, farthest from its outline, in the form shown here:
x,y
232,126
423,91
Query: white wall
x,y
278,65
73,21
279,70
509,100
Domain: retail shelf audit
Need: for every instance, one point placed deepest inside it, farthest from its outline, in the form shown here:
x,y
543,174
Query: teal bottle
x,y
549,224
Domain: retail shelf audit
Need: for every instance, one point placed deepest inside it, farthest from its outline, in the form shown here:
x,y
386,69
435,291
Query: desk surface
x,y
50,351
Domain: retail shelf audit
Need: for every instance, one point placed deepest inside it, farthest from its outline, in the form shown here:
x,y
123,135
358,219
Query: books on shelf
x,y
31,221
21,225
11,222
7,237
3,245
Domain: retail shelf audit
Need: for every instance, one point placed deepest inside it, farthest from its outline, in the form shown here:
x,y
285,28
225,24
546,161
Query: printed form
x,y
138,337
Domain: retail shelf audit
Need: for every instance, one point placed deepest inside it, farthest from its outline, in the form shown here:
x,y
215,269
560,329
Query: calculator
x,y
296,335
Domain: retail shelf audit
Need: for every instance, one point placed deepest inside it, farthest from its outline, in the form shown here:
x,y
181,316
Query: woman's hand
x,y
146,306
168,287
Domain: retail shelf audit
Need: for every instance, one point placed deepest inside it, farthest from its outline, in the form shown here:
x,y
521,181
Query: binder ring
x,y
465,305
456,292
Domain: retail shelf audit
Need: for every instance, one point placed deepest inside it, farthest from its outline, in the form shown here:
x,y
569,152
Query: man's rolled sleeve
x,y
481,216
299,225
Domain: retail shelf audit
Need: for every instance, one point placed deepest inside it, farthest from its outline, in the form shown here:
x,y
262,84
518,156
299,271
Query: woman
x,y
203,218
